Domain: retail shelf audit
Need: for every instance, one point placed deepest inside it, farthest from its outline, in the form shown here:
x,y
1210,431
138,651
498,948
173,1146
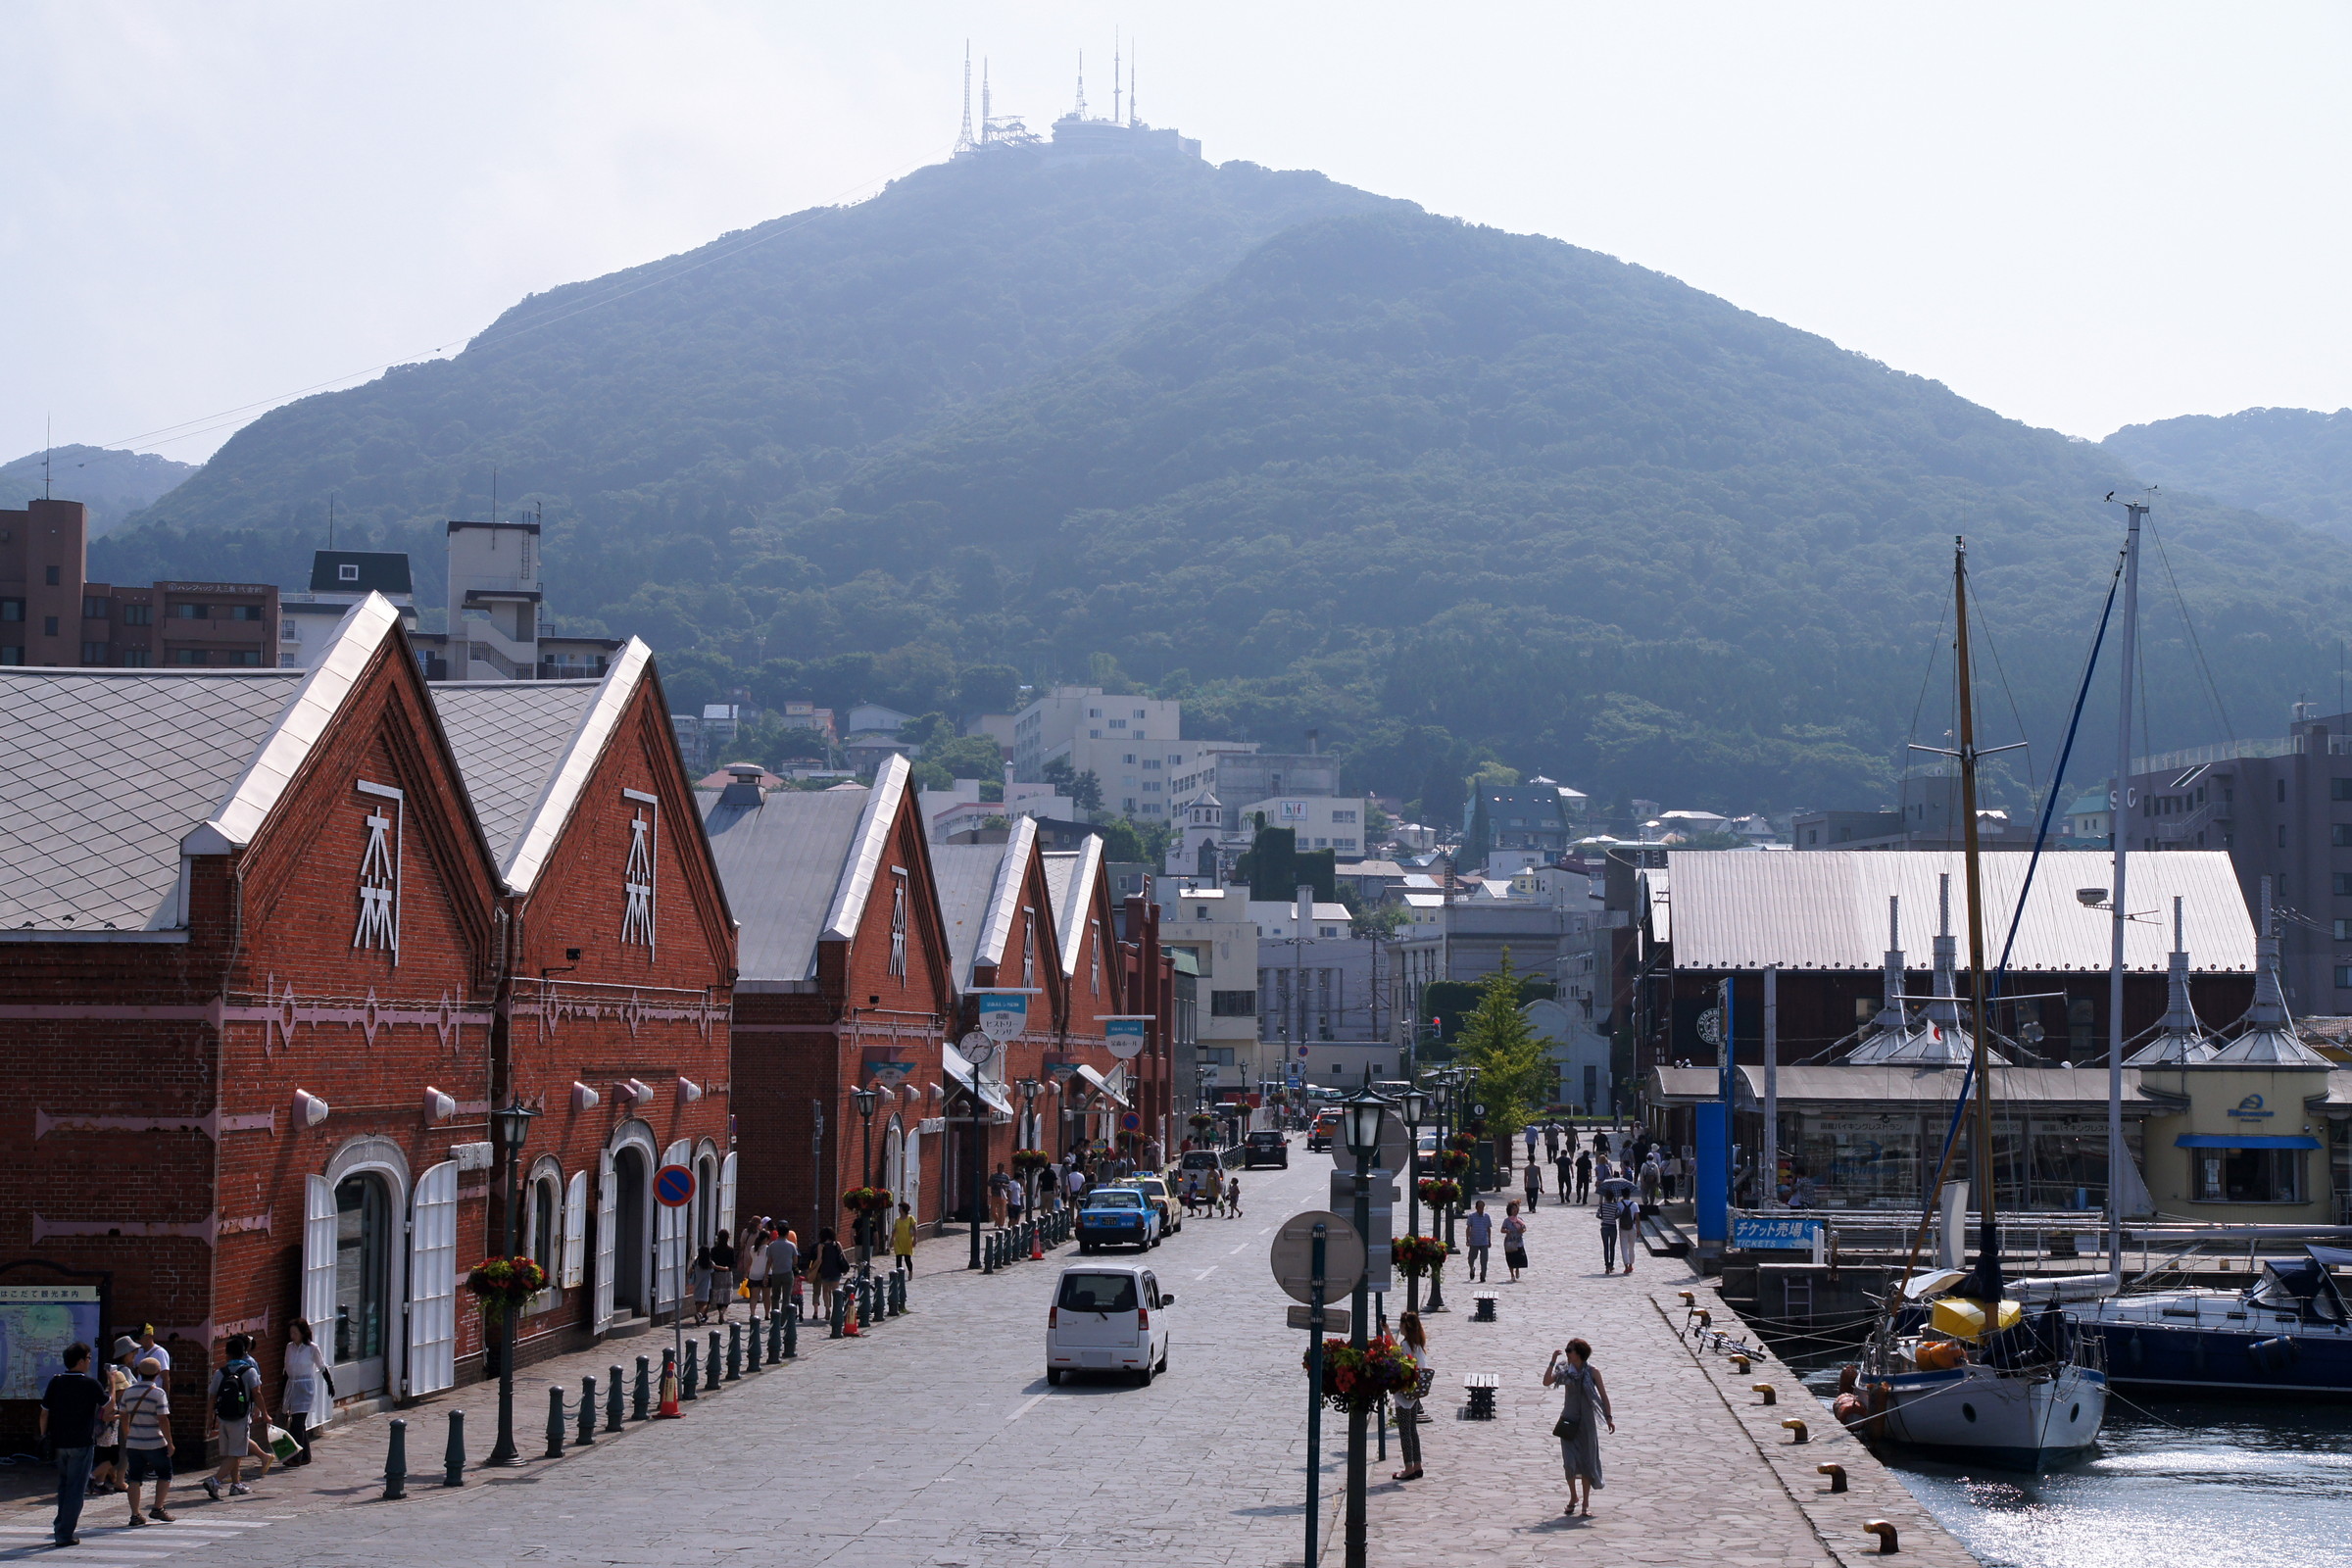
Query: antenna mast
x,y
1115,79
986,113
1132,119
1079,113
963,139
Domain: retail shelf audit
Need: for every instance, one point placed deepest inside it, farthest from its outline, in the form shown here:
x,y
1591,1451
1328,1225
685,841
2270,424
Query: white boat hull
x,y
2015,1421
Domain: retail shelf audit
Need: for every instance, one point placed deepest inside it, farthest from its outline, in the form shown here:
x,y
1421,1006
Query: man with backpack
x,y
235,1393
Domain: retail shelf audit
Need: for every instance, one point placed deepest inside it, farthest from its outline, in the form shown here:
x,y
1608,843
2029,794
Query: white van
x,y
1108,1317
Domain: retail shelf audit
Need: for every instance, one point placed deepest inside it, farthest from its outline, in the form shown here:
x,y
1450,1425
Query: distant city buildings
x,y
52,614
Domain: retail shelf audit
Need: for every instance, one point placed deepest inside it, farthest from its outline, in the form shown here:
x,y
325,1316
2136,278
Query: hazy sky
x,y
2081,215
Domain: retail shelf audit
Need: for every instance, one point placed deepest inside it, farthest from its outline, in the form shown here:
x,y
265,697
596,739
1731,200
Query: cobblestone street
x,y
935,1443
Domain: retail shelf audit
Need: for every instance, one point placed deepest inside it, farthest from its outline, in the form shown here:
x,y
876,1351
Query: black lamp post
x,y
1030,1089
1446,1080
865,1100
514,1126
1359,1123
1414,1104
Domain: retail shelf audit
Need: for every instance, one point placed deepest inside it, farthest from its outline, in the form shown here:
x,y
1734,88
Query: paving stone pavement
x,y
935,1443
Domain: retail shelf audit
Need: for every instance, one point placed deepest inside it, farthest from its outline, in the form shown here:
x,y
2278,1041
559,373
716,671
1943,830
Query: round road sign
x,y
674,1187
1294,1256
1131,1122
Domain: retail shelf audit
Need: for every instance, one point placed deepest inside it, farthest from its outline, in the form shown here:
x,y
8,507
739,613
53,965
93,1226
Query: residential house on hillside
x,y
1541,816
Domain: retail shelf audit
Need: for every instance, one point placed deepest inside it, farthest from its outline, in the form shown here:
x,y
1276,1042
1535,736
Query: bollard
x,y
869,1299
1884,1531
1836,1473
613,1399
750,1347
691,1374
587,1435
835,1314
792,1329
775,1339
453,1458
1705,1317
641,1400
988,1256
1796,1431
1740,1364
396,1463
1771,1394
711,1366
554,1421
735,1352
898,1292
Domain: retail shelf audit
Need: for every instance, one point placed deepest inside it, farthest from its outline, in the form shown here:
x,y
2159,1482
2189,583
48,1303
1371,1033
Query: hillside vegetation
x,y
1299,454
112,484
2291,463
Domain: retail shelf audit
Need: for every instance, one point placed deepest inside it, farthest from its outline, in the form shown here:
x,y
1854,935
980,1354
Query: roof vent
x,y
745,792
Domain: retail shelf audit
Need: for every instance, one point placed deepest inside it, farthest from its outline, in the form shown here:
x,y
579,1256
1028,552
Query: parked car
x,y
1117,1217
1325,1129
1171,1218
1201,1159
1266,1148
1108,1317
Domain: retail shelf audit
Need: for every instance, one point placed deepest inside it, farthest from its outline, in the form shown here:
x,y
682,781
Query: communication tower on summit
x,y
963,139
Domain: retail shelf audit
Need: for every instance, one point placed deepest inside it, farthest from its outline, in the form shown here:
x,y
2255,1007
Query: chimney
x,y
1314,738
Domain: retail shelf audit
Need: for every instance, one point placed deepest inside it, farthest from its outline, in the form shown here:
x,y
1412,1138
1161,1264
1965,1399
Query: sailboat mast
x,y
1988,1264
2120,844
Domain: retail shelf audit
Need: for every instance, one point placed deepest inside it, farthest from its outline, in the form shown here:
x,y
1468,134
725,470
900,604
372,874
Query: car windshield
x,y
1265,1137
1096,1293
1117,1198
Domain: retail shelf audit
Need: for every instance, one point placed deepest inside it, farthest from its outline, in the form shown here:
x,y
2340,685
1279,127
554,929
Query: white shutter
x,y
607,1210
318,1258
726,1195
575,1227
433,1281
911,1177
670,1257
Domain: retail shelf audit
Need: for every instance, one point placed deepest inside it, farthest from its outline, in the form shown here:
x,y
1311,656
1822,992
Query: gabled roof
x,y
979,893
526,749
798,867
107,776
1070,879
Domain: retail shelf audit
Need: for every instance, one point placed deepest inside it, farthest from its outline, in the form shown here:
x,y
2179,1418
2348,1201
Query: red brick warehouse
x,y
255,948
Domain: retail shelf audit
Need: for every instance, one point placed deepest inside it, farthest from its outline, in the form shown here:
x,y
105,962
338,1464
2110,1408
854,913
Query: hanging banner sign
x,y
1003,1014
1758,1234
1123,1038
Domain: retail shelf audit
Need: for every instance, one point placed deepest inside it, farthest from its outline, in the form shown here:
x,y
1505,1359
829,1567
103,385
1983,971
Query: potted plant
x,y
505,1285
1418,1256
866,1200
1440,1193
1357,1380
1028,1161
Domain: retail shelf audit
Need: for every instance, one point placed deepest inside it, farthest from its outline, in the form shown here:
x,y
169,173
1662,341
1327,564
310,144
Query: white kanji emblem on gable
x,y
638,908
379,927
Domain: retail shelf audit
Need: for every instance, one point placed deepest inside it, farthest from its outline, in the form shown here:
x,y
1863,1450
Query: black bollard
x,y
642,1400
691,1374
792,1329
587,1413
554,1421
750,1347
834,1313
775,1339
711,1366
453,1459
396,1463
734,1351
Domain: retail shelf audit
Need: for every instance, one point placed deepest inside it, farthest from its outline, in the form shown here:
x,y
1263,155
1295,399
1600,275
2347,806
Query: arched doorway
x,y
361,1334
633,1241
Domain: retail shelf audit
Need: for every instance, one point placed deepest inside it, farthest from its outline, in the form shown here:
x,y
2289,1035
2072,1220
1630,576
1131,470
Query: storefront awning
x,y
1102,1085
2244,1140
959,1070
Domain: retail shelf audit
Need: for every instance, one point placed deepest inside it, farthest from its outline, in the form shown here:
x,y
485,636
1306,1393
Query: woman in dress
x,y
698,1285
305,1392
1410,1415
1584,1398
1514,1242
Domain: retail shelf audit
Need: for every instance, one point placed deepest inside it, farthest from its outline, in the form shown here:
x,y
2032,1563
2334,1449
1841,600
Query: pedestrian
x,y
1628,1216
722,1273
1530,1133
1000,1193
1563,1167
1654,1182
1606,1213
149,1350
1531,1182
1480,1227
698,1285
146,1412
901,1242
1551,1139
236,1394
1514,1242
1583,1396
1016,1202
72,1408
310,1389
1075,1180
1233,1198
755,1269
783,1272
1584,1176
832,1266
1408,1401
106,1472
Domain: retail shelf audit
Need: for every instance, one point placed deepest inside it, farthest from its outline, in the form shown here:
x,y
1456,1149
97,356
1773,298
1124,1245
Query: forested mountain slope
x,y
2291,463
112,484
1299,454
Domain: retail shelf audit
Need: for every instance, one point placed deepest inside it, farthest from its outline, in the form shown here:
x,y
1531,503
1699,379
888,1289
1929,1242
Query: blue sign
x,y
674,1187
1754,1233
1003,1015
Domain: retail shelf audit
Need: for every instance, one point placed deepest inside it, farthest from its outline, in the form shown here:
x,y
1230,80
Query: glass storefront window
x,y
361,1229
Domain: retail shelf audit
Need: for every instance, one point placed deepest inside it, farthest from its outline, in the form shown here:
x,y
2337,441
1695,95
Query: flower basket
x,y
1441,1192
1357,1380
1028,1160
1453,1162
1462,1143
504,1284
1418,1256
866,1200
1201,1122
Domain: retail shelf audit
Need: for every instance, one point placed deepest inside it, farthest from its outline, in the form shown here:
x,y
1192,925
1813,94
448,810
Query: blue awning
x,y
2242,1141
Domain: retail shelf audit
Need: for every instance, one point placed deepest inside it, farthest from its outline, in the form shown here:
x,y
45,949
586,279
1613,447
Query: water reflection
x,y
2173,1485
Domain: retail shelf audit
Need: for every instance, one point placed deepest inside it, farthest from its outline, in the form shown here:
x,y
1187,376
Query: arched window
x,y
547,1226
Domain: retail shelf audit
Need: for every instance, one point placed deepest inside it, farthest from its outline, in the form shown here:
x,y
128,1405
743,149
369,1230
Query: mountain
x,y
112,484
2291,463
1301,454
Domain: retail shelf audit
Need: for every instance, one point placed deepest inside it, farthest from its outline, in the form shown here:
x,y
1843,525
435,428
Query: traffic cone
x,y
1037,1244
849,1318
670,1389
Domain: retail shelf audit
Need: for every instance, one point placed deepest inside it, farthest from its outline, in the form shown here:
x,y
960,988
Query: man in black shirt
x,y
71,1409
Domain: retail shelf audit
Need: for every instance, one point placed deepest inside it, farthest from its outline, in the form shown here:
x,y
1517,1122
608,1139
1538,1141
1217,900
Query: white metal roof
x,y
1827,910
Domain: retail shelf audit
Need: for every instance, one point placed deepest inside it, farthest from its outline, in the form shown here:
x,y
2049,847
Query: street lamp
x,y
514,1126
1030,1089
1359,1129
865,1101
1414,1103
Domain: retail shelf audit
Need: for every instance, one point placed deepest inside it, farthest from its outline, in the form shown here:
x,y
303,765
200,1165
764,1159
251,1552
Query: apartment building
x,y
1213,925
1130,743
340,579
52,614
1321,821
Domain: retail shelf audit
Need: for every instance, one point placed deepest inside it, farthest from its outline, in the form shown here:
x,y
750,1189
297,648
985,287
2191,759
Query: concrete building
x,y
959,809
1214,926
1321,821
1540,815
52,614
340,579
1323,1002
1463,933
1926,816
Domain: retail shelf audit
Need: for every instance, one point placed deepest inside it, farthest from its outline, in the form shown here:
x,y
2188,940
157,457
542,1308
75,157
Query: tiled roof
x,y
102,774
967,874
509,736
783,862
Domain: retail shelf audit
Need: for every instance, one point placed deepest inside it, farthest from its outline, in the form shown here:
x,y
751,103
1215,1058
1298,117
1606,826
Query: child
x,y
1233,1198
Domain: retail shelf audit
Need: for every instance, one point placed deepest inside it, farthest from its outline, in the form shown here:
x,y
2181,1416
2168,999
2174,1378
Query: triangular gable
x,y
889,834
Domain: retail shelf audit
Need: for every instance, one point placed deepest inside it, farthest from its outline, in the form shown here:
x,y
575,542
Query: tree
x,y
1083,788
1513,1065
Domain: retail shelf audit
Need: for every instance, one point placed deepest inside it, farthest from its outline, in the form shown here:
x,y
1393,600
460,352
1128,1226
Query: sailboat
x,y
1955,1367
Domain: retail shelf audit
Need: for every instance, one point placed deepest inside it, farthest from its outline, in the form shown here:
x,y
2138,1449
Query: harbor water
x,y
2173,1485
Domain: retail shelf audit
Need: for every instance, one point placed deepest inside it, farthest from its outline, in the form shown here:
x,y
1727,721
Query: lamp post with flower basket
x,y
504,1284
1359,1124
1413,1105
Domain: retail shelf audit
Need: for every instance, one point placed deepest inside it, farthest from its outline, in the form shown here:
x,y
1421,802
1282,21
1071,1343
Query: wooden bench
x,y
1482,1309
1481,1386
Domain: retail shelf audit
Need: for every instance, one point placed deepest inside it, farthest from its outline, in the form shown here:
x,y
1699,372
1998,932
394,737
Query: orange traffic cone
x,y
670,1389
848,1319
1037,1244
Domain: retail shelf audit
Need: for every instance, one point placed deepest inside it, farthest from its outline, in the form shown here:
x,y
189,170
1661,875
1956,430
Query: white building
x,y
1130,743
960,807
1321,821
1214,926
